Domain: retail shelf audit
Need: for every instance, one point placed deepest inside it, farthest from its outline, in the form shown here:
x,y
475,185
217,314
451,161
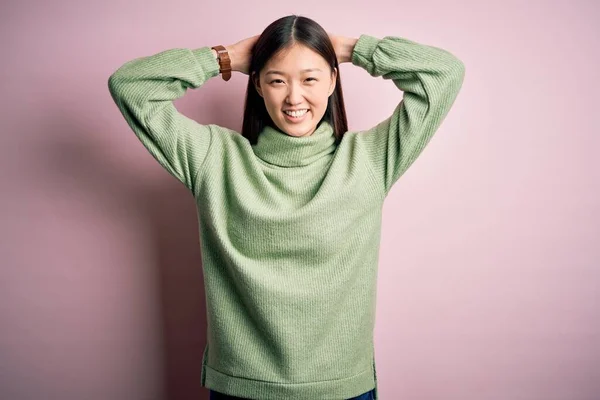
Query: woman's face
x,y
297,78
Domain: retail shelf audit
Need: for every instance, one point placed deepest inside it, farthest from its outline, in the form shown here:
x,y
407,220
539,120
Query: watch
x,y
224,61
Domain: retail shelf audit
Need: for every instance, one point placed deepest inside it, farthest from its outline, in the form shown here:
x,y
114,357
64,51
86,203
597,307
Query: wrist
x,y
231,53
346,49
223,55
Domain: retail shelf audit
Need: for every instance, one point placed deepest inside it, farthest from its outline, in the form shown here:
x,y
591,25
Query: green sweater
x,y
289,227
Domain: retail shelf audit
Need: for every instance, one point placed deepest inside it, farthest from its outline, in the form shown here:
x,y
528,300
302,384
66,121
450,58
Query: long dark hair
x,y
281,34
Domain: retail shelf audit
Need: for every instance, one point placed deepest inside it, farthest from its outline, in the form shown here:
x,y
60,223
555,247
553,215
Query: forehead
x,y
295,59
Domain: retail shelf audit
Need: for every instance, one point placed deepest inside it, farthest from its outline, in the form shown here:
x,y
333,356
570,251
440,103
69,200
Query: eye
x,y
279,80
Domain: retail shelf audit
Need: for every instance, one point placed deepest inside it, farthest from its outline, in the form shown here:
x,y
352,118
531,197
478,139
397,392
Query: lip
x,y
296,120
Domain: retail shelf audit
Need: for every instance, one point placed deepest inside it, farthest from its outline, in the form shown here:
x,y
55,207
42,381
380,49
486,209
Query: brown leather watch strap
x,y
224,61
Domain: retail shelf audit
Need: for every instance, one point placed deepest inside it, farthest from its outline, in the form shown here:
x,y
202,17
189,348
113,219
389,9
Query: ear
x,y
333,81
256,81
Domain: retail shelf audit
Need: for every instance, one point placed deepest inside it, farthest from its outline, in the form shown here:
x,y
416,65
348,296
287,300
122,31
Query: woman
x,y
289,211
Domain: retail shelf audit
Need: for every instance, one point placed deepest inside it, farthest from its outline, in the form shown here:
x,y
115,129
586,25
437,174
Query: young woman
x,y
289,211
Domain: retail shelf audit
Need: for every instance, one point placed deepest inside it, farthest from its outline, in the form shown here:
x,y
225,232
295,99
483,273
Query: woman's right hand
x,y
240,54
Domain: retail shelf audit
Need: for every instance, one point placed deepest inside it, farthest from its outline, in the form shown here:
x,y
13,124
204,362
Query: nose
x,y
294,94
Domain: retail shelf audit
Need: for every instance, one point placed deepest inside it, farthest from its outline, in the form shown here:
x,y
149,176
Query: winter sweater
x,y
289,227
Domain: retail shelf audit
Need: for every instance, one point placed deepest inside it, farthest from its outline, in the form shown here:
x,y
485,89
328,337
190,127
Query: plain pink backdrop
x,y
489,276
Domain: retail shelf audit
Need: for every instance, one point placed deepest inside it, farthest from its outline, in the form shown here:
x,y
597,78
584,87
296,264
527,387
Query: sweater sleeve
x,y
144,90
430,78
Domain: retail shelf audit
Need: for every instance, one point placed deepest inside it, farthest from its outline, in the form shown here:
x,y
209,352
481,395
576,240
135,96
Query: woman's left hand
x,y
343,47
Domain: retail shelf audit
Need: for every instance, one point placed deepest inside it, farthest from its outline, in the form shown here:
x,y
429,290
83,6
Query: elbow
x,y
459,69
451,80
454,67
456,74
113,85
118,79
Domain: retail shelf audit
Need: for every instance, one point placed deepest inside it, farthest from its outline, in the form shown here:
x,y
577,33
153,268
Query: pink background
x,y
489,278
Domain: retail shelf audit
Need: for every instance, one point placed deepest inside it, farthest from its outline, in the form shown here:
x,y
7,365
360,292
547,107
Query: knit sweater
x,y
289,227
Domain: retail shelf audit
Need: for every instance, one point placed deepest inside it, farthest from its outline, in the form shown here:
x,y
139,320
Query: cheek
x,y
271,99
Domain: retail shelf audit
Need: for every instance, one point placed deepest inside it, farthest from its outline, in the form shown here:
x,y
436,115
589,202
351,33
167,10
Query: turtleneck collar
x,y
279,148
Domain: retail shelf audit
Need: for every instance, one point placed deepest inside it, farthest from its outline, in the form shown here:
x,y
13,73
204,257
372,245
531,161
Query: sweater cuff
x,y
205,57
362,55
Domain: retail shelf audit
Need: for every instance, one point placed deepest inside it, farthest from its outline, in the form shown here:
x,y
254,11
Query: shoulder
x,y
226,141
226,136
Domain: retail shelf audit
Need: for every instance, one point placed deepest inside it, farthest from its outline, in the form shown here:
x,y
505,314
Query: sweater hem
x,y
265,390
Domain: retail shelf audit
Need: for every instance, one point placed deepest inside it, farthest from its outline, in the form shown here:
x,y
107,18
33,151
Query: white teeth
x,y
296,113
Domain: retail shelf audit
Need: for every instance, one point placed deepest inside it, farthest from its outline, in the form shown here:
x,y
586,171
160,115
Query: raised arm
x,y
144,89
430,78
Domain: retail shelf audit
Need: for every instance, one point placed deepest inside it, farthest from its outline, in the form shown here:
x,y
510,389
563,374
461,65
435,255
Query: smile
x,y
299,116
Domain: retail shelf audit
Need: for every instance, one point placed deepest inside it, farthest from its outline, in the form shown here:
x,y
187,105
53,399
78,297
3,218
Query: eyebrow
x,y
304,70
